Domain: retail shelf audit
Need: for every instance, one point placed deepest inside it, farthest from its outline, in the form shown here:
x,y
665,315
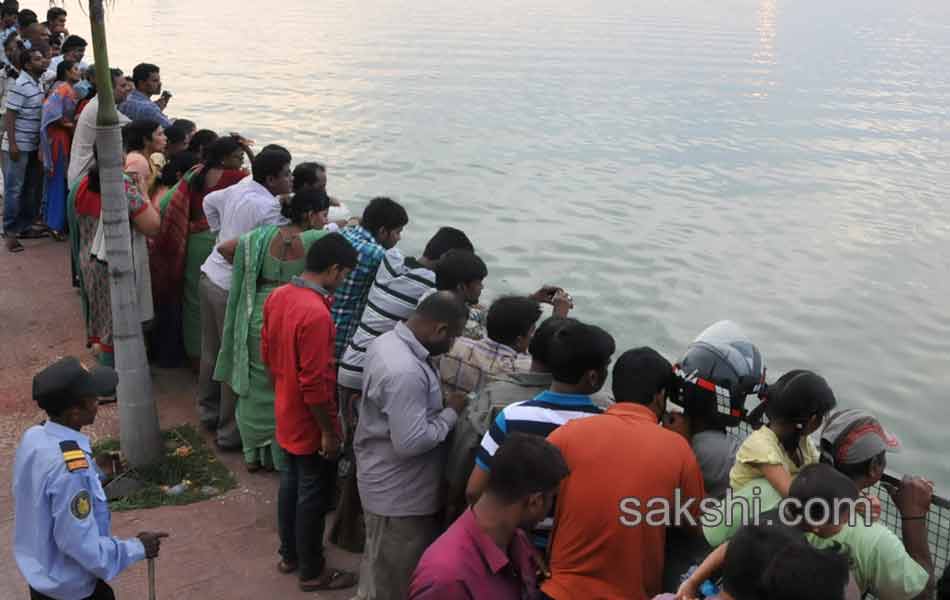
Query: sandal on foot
x,y
14,245
253,467
285,566
332,579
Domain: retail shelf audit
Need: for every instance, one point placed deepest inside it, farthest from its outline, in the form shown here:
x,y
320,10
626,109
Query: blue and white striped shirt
x,y
26,98
540,416
399,285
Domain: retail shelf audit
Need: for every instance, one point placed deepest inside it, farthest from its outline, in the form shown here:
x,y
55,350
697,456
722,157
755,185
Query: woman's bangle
x,y
920,518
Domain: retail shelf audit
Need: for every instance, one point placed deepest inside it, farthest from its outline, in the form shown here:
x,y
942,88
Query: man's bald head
x,y
438,320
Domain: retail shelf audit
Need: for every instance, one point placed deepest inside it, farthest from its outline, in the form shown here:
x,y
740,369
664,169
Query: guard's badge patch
x,y
81,506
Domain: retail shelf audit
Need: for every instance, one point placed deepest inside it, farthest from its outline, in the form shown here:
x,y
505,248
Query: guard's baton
x,y
151,579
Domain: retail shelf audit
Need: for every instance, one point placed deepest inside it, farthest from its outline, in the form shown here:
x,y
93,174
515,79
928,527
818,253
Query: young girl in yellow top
x,y
796,406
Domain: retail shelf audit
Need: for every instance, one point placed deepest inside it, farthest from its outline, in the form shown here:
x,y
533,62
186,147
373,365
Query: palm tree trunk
x,y
139,433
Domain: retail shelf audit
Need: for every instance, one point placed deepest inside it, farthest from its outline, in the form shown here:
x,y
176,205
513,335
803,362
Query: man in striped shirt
x,y
579,356
400,283
378,231
23,173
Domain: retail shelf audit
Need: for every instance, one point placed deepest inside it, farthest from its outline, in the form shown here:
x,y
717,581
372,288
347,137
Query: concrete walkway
x,y
224,548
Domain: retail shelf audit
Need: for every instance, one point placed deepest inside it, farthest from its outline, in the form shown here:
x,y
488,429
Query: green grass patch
x,y
186,458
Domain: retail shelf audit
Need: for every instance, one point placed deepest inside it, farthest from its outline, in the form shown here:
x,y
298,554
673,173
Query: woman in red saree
x,y
184,243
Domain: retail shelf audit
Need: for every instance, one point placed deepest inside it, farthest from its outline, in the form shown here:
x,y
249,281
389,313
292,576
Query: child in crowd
x,y
796,407
817,492
762,555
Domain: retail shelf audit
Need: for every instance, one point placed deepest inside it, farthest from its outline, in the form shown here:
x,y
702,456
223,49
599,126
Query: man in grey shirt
x,y
398,443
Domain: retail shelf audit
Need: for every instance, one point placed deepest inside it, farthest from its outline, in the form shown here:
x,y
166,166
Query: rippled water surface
x,y
781,163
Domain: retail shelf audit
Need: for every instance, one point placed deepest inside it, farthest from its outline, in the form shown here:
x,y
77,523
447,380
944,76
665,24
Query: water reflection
x,y
671,162
765,50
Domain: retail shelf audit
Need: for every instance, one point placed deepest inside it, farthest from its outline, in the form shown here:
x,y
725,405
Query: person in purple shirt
x,y
486,553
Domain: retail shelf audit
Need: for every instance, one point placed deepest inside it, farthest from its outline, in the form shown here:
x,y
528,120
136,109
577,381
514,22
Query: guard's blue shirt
x,y
62,541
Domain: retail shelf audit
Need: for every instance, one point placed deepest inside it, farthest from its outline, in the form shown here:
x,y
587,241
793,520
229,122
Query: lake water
x,y
780,163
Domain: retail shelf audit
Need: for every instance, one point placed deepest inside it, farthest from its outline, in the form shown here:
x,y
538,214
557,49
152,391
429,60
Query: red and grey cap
x,y
855,436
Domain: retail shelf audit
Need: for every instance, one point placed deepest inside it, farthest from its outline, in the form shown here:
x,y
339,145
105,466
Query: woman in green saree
x,y
263,259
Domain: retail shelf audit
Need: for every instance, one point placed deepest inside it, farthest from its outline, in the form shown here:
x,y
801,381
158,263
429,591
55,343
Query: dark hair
x,y
824,483
182,162
795,398
383,213
639,374
511,317
445,239
458,267
543,337
852,470
142,72
10,8
442,307
54,13
578,348
330,250
41,48
304,202
277,148
55,404
178,131
63,68
73,42
525,464
269,163
307,173
801,571
748,555
25,18
137,133
212,156
201,140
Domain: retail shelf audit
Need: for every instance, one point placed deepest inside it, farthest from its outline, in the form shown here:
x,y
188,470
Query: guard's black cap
x,y
67,380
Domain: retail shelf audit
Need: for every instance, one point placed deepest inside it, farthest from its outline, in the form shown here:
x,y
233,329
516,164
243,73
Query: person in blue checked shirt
x,y
379,230
62,541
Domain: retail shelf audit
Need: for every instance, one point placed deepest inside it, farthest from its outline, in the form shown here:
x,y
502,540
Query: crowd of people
x,y
469,450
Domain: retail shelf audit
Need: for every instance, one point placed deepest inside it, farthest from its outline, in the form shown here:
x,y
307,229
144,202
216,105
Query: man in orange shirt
x,y
629,479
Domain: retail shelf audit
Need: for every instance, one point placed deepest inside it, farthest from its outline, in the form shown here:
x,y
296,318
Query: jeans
x,y
23,191
307,485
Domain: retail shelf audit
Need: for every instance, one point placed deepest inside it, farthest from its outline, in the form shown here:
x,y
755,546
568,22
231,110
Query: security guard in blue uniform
x,y
62,541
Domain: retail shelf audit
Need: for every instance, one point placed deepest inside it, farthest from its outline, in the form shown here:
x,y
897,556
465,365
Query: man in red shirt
x,y
297,346
629,479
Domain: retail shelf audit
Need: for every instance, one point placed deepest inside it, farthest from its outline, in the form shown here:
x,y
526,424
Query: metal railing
x,y
938,517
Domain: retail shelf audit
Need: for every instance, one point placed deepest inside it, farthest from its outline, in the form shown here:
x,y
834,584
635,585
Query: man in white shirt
x,y
74,49
84,138
231,213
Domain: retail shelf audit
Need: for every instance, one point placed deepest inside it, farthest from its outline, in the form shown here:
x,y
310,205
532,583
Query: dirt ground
x,y
224,548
